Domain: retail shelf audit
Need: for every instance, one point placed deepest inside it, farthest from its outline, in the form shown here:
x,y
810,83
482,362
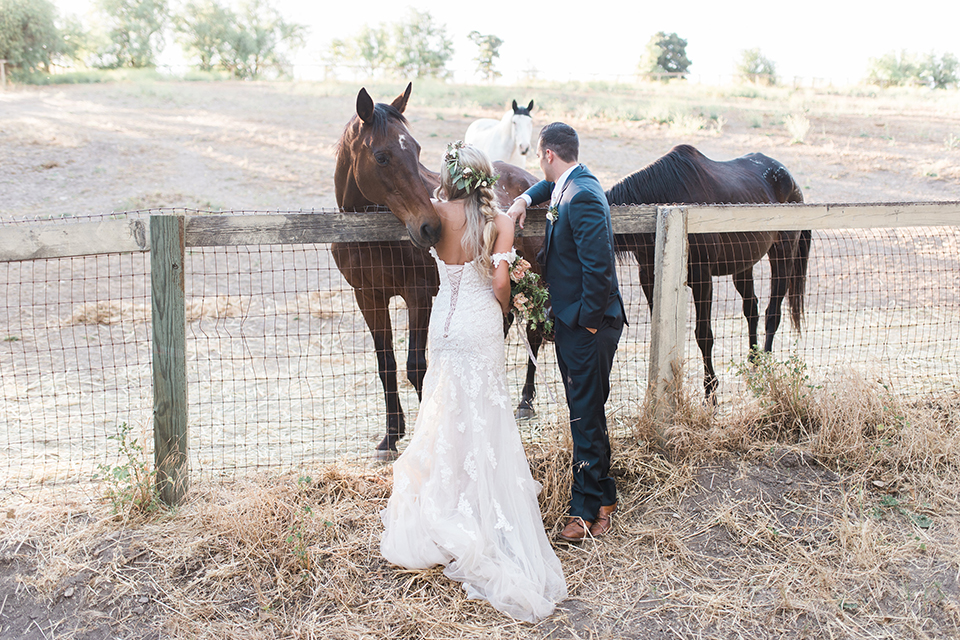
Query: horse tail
x,y
797,284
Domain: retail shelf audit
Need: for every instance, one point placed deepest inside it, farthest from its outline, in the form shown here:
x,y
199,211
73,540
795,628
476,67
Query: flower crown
x,y
465,178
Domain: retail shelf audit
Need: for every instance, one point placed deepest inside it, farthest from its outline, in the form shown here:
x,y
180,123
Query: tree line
x,y
256,41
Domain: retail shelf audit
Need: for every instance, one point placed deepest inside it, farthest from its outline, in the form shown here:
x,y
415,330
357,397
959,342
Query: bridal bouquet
x,y
528,296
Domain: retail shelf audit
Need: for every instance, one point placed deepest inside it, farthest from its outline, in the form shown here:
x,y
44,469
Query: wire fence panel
x,y
75,363
282,371
883,302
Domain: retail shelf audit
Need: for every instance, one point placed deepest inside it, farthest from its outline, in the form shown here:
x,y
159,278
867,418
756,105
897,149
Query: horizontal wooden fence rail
x,y
168,232
44,240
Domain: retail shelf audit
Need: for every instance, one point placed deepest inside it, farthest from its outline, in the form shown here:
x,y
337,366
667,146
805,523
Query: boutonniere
x,y
553,213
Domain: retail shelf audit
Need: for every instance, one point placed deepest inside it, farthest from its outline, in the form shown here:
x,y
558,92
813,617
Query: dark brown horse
x,y
686,176
378,164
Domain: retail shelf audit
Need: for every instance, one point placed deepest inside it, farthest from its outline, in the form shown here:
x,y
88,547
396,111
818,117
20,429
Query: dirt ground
x,y
91,149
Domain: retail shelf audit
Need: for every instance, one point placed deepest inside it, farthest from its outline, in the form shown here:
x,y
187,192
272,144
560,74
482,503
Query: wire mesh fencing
x,y
882,302
283,373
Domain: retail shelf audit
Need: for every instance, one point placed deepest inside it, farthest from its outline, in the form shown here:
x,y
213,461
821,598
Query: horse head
x,y
522,127
378,163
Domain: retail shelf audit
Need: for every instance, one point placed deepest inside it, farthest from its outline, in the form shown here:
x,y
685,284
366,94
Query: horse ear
x,y
514,106
364,105
400,102
530,106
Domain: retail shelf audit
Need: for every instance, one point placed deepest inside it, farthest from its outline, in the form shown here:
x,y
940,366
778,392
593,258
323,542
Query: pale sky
x,y
831,39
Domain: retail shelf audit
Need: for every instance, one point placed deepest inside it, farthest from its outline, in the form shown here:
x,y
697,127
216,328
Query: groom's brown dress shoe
x,y
604,521
576,529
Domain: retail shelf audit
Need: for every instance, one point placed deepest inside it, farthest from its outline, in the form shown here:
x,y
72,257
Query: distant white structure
x,y
507,139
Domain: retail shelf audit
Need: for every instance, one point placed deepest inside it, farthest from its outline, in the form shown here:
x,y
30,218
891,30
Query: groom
x,y
578,267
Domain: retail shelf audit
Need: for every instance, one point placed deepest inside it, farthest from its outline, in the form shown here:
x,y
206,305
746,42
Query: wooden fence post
x,y
167,242
669,319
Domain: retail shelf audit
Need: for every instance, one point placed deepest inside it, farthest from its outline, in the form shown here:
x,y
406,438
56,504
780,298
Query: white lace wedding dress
x,y
463,495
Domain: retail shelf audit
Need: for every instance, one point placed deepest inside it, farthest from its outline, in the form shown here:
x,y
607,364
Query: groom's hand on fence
x,y
518,211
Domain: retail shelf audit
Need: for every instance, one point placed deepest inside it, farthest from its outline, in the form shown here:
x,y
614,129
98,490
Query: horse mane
x,y
382,115
676,178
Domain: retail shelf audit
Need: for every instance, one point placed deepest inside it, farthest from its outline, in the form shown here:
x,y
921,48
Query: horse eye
x,y
381,159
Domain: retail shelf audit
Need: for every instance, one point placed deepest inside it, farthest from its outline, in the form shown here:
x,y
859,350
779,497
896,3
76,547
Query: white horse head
x,y
507,139
522,127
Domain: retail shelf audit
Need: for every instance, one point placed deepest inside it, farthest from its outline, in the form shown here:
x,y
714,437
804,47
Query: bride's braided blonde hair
x,y
467,175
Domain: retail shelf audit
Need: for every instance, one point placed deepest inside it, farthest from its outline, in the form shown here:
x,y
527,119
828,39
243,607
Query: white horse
x,y
507,139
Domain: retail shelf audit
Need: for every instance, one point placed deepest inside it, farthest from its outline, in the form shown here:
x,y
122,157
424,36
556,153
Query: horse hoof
x,y
388,444
525,413
387,455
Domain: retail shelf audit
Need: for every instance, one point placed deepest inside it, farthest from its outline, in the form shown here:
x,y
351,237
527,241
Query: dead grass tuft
x,y
109,312
114,312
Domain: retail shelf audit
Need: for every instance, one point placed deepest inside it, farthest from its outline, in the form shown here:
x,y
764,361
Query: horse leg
x,y
743,282
418,314
703,303
376,313
525,407
779,279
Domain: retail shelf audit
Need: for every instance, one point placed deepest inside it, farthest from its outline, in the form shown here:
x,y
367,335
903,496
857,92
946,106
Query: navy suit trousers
x,y
585,360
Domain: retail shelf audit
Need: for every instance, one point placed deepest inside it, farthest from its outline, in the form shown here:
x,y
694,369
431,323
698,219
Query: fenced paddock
x,y
279,366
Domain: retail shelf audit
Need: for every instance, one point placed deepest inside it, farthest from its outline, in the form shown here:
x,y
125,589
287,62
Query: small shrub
x,y
131,484
797,126
687,125
785,394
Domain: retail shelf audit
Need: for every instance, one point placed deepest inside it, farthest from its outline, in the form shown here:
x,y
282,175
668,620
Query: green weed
x,y
785,393
131,484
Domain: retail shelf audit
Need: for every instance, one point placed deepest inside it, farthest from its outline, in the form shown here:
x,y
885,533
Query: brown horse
x,y
378,164
686,176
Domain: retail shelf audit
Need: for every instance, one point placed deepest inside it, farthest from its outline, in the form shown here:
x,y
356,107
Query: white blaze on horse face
x,y
522,133
403,142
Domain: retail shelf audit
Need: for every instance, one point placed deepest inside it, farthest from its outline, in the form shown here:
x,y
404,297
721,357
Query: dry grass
x,y
837,517
797,126
115,312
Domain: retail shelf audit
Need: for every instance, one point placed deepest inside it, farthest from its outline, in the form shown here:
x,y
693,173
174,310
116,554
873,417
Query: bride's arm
x,y
501,274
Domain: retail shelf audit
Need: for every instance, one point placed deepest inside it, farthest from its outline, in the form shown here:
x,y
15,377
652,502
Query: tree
x,y
420,47
29,39
203,30
665,53
488,49
904,68
260,42
893,69
939,73
371,47
755,67
76,39
134,32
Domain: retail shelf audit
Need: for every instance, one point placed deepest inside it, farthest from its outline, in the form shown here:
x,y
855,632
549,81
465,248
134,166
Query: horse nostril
x,y
430,233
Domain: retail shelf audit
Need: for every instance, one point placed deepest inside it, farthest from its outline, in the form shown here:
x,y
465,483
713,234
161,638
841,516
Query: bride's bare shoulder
x,y
452,207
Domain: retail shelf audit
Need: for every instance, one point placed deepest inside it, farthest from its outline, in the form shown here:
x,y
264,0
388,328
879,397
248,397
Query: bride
x,y
463,495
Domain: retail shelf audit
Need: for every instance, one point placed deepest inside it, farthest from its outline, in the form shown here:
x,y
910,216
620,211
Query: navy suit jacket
x,y
577,256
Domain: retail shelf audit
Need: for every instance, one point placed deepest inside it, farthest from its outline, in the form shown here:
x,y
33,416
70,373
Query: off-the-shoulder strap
x,y
509,256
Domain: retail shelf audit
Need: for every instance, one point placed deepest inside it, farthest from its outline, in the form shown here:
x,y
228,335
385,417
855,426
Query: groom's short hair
x,y
562,139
